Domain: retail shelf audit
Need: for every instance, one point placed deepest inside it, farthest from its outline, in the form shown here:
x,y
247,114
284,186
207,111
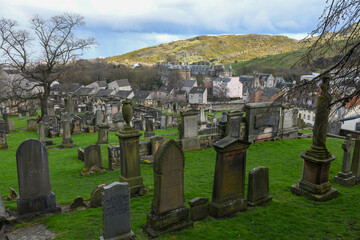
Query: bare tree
x,y
220,92
41,52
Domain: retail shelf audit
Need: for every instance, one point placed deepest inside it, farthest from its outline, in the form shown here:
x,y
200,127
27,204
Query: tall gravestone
x,y
129,153
35,193
4,125
202,120
346,177
113,156
11,125
355,163
233,126
92,156
189,130
3,141
149,126
163,122
31,125
258,186
116,212
168,210
67,142
314,183
288,128
103,134
42,135
228,196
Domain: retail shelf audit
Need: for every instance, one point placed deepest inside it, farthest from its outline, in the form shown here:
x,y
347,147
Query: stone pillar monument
x,y
149,126
314,183
103,134
129,153
67,142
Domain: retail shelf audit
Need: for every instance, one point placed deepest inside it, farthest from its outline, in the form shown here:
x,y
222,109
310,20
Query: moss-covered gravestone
x,y
34,179
103,134
31,125
129,153
92,158
168,211
149,126
346,177
228,196
258,186
3,141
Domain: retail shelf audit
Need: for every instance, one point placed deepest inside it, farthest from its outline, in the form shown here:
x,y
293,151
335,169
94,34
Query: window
x,y
308,117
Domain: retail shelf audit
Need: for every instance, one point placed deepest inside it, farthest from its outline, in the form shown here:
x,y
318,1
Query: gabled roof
x,y
187,83
104,92
246,78
269,92
123,93
141,95
222,79
83,91
101,83
165,89
66,88
197,90
122,82
181,92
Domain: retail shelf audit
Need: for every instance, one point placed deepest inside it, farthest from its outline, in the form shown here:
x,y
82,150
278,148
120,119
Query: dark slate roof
x,y
141,95
350,118
83,91
269,92
197,90
102,83
280,85
187,83
123,93
58,87
222,79
104,92
246,78
122,82
181,92
66,88
165,89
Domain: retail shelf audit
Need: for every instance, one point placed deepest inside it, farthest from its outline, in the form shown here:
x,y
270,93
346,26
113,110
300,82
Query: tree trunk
x,y
44,99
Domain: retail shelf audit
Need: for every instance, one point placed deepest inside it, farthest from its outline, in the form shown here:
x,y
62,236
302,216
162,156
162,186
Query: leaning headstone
x,y
258,186
113,156
355,163
76,126
3,141
67,142
92,158
228,196
168,210
103,134
116,212
345,177
11,125
96,195
31,125
34,179
78,202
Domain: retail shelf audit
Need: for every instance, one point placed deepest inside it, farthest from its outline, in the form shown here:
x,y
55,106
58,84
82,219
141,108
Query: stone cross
x,y
116,212
347,146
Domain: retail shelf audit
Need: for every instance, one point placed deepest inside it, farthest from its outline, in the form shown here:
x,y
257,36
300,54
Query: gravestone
x,y
11,125
27,115
34,179
155,142
96,196
31,125
4,126
163,122
42,132
189,131
20,116
169,121
355,163
149,130
202,120
345,177
113,156
70,104
92,157
76,126
228,196
81,154
233,126
288,128
116,212
103,134
198,208
137,125
168,210
314,183
3,141
129,153
67,142
258,186
99,118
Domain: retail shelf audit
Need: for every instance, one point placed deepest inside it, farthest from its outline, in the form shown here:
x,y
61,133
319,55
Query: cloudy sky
x,y
121,26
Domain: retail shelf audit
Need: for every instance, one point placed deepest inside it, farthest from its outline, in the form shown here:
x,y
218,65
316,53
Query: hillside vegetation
x,y
218,49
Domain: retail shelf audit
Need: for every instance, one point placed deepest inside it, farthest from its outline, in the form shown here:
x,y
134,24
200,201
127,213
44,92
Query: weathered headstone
x,y
92,157
228,196
198,208
202,120
155,142
78,202
129,153
113,156
149,130
11,125
99,118
169,121
355,163
258,186
76,126
345,177
163,122
20,116
189,131
81,154
103,134
31,125
34,179
288,126
168,210
116,212
315,183
3,141
96,196
42,136
67,142
233,126
137,125
4,126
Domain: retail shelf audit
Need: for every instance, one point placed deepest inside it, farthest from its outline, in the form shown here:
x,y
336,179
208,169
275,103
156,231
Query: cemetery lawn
x,y
286,217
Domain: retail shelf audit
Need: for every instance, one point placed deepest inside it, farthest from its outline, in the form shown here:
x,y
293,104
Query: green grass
x,y
286,217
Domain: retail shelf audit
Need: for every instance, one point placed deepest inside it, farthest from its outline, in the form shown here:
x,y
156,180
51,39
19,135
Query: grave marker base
x,y
227,208
137,188
127,236
42,204
173,220
329,195
345,179
260,201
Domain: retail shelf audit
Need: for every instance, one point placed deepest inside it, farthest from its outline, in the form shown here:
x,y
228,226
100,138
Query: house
x,y
181,96
105,92
122,84
143,97
198,95
165,92
125,94
234,88
97,85
263,95
186,85
84,91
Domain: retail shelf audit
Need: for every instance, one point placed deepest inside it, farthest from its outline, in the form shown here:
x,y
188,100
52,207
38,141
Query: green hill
x,y
218,49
